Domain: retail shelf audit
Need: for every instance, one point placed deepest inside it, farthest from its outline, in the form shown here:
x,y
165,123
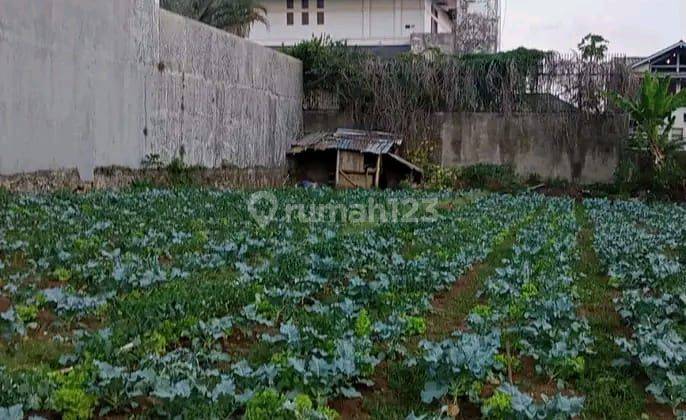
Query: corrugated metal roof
x,y
374,142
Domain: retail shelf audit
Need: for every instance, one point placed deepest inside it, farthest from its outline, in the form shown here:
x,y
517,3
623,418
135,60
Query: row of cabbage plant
x,y
529,312
257,315
642,247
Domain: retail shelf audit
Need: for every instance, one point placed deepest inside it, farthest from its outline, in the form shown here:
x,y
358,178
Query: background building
x,y
477,25
669,62
382,25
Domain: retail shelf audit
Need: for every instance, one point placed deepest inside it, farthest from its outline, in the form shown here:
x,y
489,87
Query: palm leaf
x,y
235,16
653,112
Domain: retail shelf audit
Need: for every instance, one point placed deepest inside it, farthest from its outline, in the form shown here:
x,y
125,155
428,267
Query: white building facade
x,y
368,23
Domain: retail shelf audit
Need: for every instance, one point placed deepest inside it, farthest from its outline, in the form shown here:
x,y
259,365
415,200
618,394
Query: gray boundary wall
x,y
565,146
583,149
99,83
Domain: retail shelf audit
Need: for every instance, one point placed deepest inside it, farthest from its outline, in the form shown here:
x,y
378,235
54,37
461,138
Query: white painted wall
x,y
359,22
680,115
445,24
681,119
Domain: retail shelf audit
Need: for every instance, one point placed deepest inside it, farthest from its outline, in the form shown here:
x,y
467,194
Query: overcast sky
x,y
634,27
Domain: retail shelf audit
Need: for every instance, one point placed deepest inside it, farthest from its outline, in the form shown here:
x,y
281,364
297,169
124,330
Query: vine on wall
x,y
402,93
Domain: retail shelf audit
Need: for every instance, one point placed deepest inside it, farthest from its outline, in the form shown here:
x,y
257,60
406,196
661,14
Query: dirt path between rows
x,y
395,391
612,392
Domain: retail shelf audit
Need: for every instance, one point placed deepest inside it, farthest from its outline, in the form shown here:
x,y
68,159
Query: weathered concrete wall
x,y
314,121
550,145
72,76
422,42
88,84
222,100
554,145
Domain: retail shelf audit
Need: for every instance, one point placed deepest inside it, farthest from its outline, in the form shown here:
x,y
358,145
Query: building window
x,y
289,4
289,19
320,18
306,18
306,4
320,4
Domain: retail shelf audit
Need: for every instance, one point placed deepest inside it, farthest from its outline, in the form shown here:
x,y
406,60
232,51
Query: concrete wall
x,y
87,84
445,43
72,83
222,100
549,145
552,145
315,121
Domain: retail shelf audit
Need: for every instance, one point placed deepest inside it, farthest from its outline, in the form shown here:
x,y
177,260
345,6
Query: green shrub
x,y
634,174
71,398
438,177
655,152
62,274
331,66
303,404
266,405
499,406
27,313
142,184
363,325
489,176
73,403
416,325
570,367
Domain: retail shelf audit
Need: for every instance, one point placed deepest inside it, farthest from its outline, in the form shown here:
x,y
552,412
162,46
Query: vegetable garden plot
x,y
178,302
530,312
643,249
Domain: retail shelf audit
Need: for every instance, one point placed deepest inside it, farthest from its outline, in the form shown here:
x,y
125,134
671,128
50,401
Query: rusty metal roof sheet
x,y
374,142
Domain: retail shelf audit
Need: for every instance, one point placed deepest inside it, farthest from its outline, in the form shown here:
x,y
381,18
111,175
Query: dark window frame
x,y
305,18
320,4
320,18
290,4
305,4
290,19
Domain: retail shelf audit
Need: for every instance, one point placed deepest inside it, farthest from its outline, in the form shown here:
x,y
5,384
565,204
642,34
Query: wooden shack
x,y
351,159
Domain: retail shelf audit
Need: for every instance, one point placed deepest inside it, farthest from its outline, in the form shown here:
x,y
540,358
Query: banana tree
x,y
653,113
235,16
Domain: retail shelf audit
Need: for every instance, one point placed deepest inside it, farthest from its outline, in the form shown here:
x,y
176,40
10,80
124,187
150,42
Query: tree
x,y
235,16
593,47
653,112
